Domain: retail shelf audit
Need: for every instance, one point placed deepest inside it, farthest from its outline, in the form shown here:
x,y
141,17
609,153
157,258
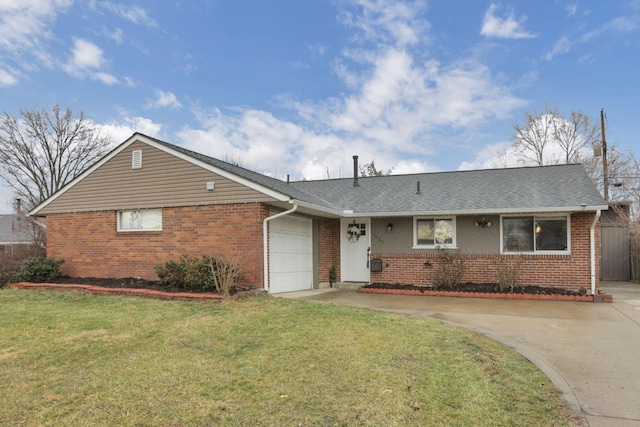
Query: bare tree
x,y
622,174
41,151
531,139
574,133
369,169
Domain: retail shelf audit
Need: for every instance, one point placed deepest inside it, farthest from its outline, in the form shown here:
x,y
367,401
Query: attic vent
x,y
136,159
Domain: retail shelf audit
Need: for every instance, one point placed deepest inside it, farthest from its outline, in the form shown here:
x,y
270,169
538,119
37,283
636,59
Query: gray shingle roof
x,y
492,190
14,230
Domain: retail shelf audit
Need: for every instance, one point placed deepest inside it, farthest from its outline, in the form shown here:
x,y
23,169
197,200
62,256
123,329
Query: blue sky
x,y
298,87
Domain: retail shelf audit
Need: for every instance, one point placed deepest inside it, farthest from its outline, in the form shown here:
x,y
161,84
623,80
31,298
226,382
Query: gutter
x,y
592,238
265,243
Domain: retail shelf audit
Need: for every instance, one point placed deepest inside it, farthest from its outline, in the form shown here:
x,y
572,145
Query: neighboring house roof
x,y
557,188
13,230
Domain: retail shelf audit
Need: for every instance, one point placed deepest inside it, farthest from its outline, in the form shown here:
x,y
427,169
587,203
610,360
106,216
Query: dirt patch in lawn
x,y
481,287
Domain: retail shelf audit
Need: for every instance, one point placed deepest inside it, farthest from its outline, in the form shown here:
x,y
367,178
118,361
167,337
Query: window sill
x,y
435,247
539,253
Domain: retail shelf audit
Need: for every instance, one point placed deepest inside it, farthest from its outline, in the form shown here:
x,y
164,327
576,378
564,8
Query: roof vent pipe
x,y
355,172
418,187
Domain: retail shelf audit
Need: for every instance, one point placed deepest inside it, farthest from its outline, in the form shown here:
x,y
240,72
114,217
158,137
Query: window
x,y
140,220
535,234
432,232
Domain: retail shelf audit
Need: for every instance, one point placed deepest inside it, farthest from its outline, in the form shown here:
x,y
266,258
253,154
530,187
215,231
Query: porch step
x,y
348,285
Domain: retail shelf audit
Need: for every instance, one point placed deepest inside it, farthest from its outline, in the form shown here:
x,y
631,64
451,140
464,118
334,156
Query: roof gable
x,y
89,178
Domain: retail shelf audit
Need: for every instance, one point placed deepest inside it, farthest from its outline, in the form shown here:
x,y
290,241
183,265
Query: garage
x,y
290,254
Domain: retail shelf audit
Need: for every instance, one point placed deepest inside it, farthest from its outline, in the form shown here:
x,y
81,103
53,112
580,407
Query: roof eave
x,y
494,211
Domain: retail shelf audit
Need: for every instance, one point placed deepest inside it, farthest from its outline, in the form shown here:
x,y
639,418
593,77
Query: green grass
x,y
76,359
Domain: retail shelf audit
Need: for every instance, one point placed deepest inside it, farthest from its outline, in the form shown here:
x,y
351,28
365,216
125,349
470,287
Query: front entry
x,y
355,245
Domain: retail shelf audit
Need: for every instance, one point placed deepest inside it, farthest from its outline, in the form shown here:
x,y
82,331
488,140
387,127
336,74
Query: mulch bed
x,y
478,287
128,283
132,286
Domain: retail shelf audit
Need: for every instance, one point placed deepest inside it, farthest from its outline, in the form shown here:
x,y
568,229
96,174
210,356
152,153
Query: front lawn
x,y
73,359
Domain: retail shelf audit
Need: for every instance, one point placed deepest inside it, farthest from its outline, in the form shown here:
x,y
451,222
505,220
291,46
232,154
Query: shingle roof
x,y
13,230
492,190
545,188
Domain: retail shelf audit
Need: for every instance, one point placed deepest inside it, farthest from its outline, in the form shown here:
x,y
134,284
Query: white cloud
x,y
620,26
135,14
388,21
164,100
7,79
23,24
84,55
105,78
499,155
120,131
571,9
397,103
87,59
563,45
507,27
25,27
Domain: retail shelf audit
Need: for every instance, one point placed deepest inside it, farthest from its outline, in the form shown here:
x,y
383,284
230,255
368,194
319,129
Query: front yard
x,y
68,358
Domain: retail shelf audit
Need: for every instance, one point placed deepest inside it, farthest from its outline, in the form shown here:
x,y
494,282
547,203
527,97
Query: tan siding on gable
x,y
164,180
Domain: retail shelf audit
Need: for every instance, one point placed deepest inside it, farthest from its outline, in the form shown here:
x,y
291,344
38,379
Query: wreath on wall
x,y
354,233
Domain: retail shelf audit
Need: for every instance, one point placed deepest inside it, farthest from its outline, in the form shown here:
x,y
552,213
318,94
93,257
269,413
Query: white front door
x,y
355,244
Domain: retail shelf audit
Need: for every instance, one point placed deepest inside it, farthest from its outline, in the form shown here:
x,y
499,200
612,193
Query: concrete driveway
x,y
590,351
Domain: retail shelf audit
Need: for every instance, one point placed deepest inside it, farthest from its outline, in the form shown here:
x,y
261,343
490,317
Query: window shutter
x,y
136,159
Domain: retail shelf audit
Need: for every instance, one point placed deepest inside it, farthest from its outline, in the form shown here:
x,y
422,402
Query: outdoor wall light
x,y
483,223
389,227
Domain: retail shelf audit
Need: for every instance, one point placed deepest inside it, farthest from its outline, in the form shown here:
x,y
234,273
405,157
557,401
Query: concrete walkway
x,y
590,351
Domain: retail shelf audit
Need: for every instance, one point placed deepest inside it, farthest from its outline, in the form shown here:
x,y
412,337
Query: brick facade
x,y
562,271
92,247
328,248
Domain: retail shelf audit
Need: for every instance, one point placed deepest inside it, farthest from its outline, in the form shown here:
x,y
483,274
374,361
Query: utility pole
x,y
605,172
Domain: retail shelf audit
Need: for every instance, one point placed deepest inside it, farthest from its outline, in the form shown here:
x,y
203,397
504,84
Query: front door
x,y
355,244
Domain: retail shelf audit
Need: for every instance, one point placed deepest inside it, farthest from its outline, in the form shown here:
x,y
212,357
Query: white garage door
x,y
290,254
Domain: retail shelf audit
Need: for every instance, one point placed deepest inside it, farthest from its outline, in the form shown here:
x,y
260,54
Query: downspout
x,y
265,243
592,236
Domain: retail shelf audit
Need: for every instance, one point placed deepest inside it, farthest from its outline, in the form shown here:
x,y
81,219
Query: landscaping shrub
x,y
207,273
223,272
191,273
8,267
448,269
38,269
172,273
507,271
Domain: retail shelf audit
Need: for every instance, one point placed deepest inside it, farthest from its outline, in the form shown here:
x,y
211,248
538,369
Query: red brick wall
x,y
563,271
328,247
91,246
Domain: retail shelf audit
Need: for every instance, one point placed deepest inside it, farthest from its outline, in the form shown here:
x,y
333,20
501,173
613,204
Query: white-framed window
x,y
535,234
140,220
432,232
